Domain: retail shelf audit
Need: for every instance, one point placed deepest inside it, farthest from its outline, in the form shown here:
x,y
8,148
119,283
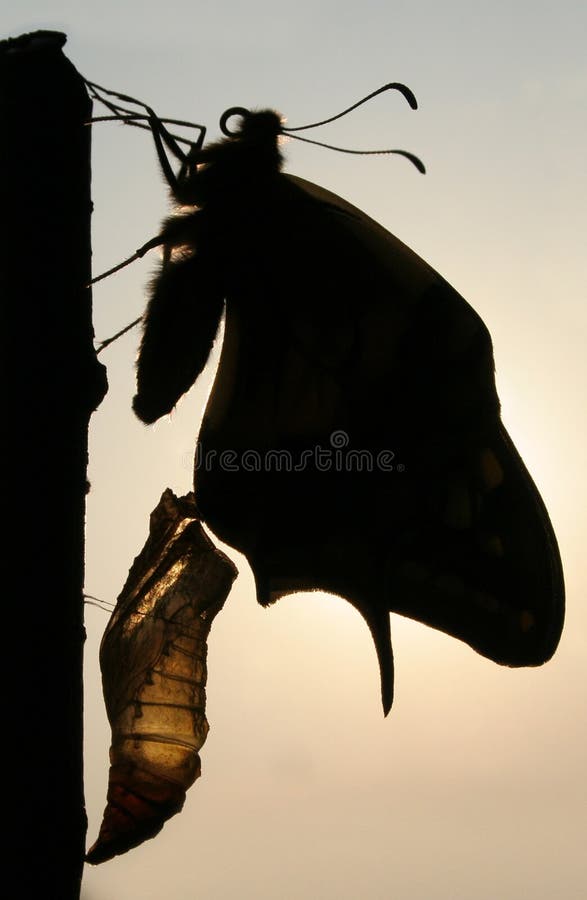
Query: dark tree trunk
x,y
51,384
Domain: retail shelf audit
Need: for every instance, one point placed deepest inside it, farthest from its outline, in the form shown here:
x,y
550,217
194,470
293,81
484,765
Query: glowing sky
x,y
474,787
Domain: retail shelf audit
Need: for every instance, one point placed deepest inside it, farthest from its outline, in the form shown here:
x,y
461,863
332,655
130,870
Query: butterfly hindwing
x,y
485,568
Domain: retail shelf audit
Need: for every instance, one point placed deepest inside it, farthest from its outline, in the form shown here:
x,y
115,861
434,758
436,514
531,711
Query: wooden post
x,y
51,384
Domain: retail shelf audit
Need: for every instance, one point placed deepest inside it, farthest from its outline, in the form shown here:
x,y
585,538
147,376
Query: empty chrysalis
x,y
153,661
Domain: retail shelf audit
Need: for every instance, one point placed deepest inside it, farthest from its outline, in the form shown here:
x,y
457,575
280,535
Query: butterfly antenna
x,y
415,160
392,86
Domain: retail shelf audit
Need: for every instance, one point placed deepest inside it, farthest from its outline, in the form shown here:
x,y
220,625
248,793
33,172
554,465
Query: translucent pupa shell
x,y
153,662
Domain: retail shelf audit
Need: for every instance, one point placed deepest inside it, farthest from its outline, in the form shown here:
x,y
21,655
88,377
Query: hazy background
x,y
475,786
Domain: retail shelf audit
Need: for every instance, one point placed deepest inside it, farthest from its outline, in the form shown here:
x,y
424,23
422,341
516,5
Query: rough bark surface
x,y
50,386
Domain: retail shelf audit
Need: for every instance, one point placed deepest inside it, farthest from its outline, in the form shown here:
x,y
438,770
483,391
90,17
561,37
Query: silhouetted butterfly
x,y
352,441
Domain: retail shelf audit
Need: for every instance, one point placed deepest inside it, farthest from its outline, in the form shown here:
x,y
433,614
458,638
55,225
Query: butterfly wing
x,y
487,569
356,400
